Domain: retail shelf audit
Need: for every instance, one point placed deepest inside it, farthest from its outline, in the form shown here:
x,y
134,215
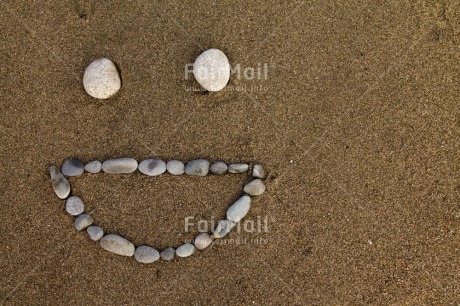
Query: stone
x,y
168,254
73,167
61,185
218,168
212,70
202,241
93,167
198,167
152,167
120,165
239,209
74,206
238,168
175,167
101,79
255,187
117,245
146,254
95,232
83,221
223,228
185,250
258,171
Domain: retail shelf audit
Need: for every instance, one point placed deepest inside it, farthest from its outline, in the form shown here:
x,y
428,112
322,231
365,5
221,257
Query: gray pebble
x,y
73,167
152,167
83,221
60,184
119,165
198,167
95,232
101,79
117,245
255,187
218,168
93,167
212,70
74,206
223,228
146,254
202,241
185,250
238,168
258,171
239,209
175,167
168,254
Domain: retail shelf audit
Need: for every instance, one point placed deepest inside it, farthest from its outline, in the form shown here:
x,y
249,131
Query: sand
x,y
356,121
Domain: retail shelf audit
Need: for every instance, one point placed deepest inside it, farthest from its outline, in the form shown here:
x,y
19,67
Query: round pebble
x,y
255,187
223,228
239,209
93,167
83,221
120,165
146,254
73,167
61,185
175,167
198,167
185,250
152,167
218,168
168,254
238,168
95,232
117,245
74,206
202,241
258,171
101,79
212,70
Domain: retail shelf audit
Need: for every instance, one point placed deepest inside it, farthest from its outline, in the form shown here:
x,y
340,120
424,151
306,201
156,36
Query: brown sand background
x,y
358,127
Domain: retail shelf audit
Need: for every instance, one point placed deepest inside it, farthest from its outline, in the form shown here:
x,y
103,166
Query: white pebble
x,y
238,168
93,167
74,206
60,184
258,171
255,187
199,167
185,250
152,167
239,209
119,165
117,245
95,232
175,167
168,254
73,167
83,221
223,228
218,168
101,79
202,241
146,254
212,70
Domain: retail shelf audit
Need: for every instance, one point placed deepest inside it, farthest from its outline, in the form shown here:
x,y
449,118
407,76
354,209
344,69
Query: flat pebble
x,y
239,209
146,254
117,244
185,250
168,254
218,168
73,167
74,206
93,167
95,232
212,70
83,221
202,241
238,168
120,165
258,171
175,167
223,228
255,187
152,167
198,167
60,184
101,79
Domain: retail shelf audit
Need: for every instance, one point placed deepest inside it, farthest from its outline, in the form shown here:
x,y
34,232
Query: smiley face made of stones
x,y
101,80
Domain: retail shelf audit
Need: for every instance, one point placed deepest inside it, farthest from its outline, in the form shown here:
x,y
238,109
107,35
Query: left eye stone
x,y
101,79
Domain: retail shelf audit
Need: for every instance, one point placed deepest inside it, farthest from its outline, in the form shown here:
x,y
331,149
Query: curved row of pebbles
x,y
153,167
